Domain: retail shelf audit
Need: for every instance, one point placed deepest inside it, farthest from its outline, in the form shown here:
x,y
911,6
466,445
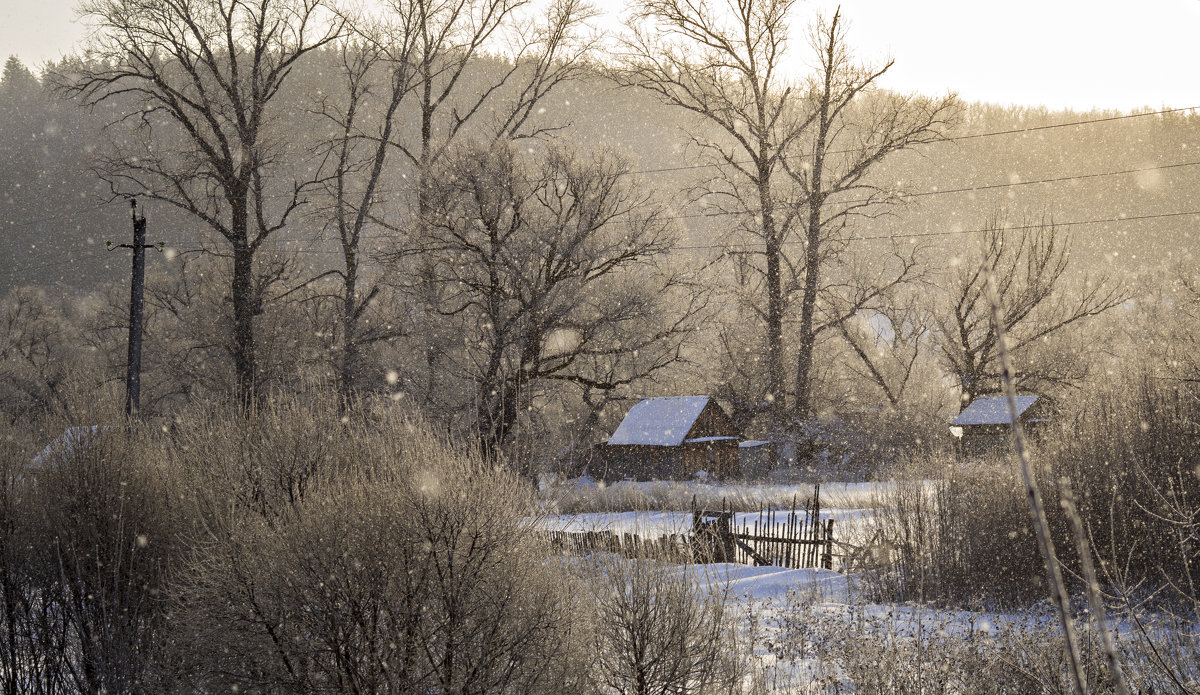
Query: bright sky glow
x,y
1058,53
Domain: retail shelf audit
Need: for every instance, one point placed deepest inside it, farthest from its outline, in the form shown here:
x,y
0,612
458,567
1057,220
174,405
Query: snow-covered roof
x,y
705,440
663,421
991,410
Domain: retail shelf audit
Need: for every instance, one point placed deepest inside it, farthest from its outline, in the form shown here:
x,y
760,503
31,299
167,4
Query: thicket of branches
x,y
295,550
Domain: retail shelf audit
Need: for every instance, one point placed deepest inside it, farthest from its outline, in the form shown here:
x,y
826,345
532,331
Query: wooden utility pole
x,y
137,285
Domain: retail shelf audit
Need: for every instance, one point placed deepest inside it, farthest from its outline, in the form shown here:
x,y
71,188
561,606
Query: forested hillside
x,y
57,213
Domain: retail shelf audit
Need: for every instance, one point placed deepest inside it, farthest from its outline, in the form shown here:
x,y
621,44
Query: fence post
x,y
827,558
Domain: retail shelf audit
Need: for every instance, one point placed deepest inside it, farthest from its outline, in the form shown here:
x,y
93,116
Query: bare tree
x,y
1029,263
549,270
194,85
455,94
888,344
359,153
854,127
660,632
727,72
795,160
411,569
41,365
429,55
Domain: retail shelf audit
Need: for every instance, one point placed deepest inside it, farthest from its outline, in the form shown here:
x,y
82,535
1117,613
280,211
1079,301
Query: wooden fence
x,y
795,538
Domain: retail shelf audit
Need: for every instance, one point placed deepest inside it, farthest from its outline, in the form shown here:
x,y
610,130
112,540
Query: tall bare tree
x,y
1029,263
726,71
360,149
853,127
429,57
195,86
795,160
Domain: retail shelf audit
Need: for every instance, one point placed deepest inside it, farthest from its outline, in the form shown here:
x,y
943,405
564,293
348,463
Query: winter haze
x,y
662,346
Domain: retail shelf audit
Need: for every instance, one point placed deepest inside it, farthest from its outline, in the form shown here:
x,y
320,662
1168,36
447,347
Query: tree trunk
x,y
812,250
802,405
348,360
245,307
775,369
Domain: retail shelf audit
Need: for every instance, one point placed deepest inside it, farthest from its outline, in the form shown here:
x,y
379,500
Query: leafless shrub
x,y
88,539
961,539
410,570
658,631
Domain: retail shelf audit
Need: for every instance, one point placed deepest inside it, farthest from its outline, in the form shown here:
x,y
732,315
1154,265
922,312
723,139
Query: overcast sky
x,y
1058,53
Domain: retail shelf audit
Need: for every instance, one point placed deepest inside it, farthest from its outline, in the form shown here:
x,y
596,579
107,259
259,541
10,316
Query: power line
x,y
984,230
1058,179
984,187
688,167
1106,119
879,237
708,165
948,191
966,189
62,215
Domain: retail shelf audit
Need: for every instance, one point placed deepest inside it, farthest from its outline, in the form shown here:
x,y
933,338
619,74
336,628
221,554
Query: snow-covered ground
x,y
771,585
817,631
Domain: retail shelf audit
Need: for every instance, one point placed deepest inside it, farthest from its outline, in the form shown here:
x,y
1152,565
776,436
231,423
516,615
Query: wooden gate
x,y
795,538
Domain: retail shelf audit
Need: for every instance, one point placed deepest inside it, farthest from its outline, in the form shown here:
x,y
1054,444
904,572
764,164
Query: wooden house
x,y
985,425
672,438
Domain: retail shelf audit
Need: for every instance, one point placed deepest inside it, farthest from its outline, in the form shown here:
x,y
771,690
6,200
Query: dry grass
x,y
898,649
666,495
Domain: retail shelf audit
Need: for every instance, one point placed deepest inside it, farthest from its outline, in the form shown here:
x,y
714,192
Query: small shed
x,y
985,425
672,437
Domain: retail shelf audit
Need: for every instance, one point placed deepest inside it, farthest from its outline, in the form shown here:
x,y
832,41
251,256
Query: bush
x,y
964,539
659,631
894,650
401,564
1132,456
87,546
287,549
964,536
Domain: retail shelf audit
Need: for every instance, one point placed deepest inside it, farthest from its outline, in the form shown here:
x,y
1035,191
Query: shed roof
x,y
706,440
991,410
663,421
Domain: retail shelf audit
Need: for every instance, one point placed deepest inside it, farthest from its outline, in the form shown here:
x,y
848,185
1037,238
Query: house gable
x,y
672,437
660,421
